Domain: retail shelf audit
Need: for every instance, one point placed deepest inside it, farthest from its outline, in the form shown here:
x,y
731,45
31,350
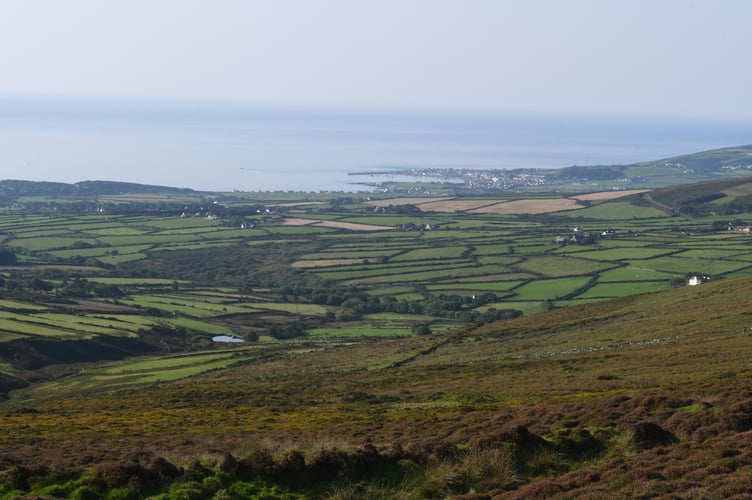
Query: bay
x,y
226,147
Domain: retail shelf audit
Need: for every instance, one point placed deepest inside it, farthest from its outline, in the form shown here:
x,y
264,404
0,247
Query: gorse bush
x,y
481,468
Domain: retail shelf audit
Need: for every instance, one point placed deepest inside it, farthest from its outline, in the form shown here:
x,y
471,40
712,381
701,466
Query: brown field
x,y
487,206
352,226
456,204
405,201
299,222
609,195
529,206
325,263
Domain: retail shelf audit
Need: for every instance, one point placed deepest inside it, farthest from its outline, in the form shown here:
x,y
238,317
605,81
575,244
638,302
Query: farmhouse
x,y
696,280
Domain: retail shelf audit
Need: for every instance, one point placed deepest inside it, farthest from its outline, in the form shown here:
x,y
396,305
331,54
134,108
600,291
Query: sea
x,y
245,147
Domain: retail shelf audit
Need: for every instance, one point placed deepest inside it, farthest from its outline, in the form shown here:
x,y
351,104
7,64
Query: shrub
x,y
488,467
290,466
258,463
738,417
649,435
328,463
579,444
439,479
128,493
228,464
187,490
85,492
164,470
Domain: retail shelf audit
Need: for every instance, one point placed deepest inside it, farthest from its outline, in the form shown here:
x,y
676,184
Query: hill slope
x,y
723,163
644,395
83,188
714,161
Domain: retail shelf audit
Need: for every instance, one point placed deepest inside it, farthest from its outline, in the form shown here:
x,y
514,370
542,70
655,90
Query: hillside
x,y
727,197
705,165
716,161
646,395
11,189
372,364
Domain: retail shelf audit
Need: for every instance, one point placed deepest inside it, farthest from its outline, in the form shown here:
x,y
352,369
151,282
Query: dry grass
x,y
352,226
489,206
541,206
609,195
456,205
405,201
292,221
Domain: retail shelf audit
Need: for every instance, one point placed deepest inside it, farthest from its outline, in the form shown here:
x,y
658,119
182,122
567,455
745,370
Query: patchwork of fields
x,y
352,320
454,257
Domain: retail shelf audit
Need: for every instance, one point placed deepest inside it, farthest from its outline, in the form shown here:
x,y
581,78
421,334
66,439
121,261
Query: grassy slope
x,y
711,160
607,366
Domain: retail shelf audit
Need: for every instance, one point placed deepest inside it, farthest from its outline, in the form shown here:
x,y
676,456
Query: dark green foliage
x,y
649,435
288,331
421,329
697,198
578,444
7,257
406,209
738,417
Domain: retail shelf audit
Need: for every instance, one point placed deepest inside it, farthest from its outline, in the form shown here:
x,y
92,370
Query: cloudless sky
x,y
612,57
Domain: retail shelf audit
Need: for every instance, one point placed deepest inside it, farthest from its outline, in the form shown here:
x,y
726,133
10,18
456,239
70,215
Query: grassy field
x,y
427,255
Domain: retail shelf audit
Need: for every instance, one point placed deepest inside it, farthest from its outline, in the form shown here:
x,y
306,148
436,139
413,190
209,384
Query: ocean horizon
x,y
267,148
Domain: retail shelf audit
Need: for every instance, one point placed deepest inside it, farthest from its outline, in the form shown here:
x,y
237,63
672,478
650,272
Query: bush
x,y
258,463
422,330
7,257
649,435
129,493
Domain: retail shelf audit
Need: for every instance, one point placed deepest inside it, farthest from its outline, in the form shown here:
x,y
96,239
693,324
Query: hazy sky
x,y
643,57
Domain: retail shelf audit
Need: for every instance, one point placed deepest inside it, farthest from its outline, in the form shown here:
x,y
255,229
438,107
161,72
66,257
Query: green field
x,y
208,268
442,266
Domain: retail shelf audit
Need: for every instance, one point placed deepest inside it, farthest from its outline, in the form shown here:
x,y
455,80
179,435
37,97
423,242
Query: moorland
x,y
167,343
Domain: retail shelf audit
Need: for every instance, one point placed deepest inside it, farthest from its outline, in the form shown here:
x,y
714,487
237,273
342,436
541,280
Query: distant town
x,y
497,179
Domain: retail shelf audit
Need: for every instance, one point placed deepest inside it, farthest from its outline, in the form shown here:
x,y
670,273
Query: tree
x,y
677,282
7,257
422,329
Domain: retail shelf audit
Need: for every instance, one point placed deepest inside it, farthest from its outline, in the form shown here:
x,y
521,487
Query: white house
x,y
696,280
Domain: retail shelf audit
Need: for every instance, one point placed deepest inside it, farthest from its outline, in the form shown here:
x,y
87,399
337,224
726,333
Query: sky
x,y
677,58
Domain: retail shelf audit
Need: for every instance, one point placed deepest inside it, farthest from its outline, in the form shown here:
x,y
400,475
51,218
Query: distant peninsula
x,y
696,167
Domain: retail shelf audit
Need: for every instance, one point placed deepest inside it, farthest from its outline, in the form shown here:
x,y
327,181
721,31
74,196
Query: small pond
x,y
226,338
